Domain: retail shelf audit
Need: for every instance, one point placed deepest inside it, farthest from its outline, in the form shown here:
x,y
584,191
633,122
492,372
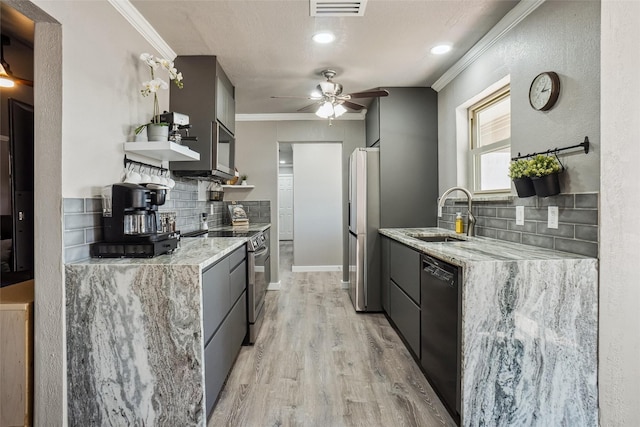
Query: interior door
x,y
22,151
285,210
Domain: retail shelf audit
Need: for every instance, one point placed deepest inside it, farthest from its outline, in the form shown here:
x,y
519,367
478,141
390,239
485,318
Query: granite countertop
x,y
198,251
472,249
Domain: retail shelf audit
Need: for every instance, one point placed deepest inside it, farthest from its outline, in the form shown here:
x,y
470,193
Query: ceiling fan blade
x,y
370,94
296,97
308,107
23,81
353,105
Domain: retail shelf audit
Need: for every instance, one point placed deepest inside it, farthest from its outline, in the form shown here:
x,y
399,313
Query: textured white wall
x,y
102,103
560,36
619,376
317,203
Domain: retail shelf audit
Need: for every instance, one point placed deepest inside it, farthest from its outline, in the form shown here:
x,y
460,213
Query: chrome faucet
x,y
471,221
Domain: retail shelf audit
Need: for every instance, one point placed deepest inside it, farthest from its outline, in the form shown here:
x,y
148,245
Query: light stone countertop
x,y
135,344
529,330
472,249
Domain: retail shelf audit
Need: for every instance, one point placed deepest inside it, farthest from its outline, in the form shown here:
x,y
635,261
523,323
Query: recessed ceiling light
x,y
323,37
283,162
440,49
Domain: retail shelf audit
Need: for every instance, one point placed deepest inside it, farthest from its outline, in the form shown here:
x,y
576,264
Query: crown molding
x,y
510,20
281,117
137,21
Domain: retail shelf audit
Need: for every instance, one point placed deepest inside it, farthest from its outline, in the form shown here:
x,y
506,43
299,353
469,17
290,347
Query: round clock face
x,y
544,91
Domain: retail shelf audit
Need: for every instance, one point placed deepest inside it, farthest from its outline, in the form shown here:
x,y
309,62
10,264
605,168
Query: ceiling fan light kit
x,y
330,100
7,79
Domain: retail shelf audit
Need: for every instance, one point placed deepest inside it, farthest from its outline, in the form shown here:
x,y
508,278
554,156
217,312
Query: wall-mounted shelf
x,y
238,187
162,150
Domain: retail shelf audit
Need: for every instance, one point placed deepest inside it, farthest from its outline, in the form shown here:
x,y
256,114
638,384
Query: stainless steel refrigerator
x,y
364,221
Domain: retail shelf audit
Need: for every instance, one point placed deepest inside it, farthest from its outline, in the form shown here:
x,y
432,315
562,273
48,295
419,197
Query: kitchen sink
x,y
438,239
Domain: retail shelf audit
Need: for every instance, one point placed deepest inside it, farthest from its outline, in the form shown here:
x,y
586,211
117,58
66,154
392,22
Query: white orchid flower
x,y
165,63
149,60
152,86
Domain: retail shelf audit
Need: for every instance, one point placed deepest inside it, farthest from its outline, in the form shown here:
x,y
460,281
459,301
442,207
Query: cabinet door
x,y
238,281
406,315
384,285
222,350
225,105
215,296
404,267
372,123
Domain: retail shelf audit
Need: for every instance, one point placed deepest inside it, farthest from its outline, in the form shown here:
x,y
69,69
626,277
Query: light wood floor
x,y
318,363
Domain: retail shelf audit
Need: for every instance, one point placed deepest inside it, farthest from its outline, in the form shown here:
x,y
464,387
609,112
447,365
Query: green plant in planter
x,y
542,165
543,171
518,173
517,168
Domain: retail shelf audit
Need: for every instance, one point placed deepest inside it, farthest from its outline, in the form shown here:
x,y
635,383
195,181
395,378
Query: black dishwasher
x,y
440,303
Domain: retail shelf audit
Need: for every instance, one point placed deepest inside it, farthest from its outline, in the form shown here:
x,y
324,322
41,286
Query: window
x,y
490,148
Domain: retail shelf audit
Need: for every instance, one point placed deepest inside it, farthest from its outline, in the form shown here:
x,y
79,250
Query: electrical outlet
x,y
519,215
552,218
211,209
439,211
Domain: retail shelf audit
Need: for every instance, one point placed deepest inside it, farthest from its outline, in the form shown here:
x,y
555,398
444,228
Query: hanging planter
x,y
544,171
524,187
523,184
548,185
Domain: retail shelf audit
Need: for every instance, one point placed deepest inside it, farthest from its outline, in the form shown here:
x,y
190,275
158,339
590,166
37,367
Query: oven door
x,y
261,281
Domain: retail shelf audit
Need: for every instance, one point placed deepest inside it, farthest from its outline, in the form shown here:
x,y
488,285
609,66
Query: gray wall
x,y
257,156
560,36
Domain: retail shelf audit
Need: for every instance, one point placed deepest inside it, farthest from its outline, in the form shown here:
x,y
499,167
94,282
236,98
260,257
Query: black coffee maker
x,y
130,224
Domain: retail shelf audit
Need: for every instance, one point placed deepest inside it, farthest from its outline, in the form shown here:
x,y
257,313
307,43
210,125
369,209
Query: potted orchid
x,y
156,130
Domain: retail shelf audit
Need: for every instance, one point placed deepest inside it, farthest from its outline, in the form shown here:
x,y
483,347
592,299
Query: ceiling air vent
x,y
337,8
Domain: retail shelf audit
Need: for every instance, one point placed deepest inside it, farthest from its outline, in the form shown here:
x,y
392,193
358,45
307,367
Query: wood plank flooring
x,y
318,363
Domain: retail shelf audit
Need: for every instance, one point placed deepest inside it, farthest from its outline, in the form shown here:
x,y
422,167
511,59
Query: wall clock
x,y
544,91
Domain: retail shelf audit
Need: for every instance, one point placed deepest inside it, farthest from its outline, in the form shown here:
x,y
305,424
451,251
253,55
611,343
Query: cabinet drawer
x,y
406,316
238,325
238,281
404,269
237,256
216,365
216,299
222,350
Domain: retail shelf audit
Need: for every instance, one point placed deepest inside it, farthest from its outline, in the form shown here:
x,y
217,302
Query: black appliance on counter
x,y
130,224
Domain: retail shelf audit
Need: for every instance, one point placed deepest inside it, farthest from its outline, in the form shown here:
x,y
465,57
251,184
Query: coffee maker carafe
x,y
130,227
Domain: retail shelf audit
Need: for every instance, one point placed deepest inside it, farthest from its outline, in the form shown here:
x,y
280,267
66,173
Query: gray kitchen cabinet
x,y
208,99
405,127
372,123
405,314
404,269
225,102
385,277
403,291
225,319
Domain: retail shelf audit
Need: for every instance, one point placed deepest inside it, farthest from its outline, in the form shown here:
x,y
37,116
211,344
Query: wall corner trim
x,y
140,23
509,21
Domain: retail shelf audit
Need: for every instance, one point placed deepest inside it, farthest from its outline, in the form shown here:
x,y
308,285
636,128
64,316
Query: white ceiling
x,y
266,49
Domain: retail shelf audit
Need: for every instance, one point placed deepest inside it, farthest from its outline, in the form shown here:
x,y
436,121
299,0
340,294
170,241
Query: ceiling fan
x,y
7,79
329,100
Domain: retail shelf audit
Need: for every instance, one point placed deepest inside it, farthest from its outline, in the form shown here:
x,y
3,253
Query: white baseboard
x,y
274,286
345,285
311,268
